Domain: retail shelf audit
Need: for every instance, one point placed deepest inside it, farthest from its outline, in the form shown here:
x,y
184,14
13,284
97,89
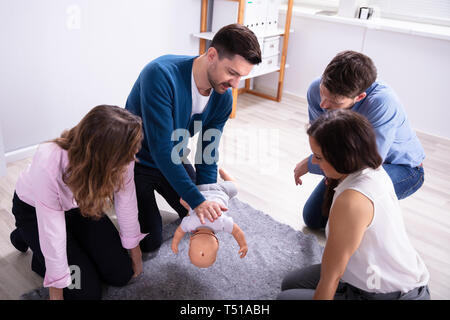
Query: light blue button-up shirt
x,y
397,142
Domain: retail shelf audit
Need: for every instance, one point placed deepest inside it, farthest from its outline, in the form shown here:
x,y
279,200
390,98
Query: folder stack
x,y
260,16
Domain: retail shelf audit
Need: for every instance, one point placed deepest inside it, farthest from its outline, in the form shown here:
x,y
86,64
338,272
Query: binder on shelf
x,y
258,10
271,25
260,16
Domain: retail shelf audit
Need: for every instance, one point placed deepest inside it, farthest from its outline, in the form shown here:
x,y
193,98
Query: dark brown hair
x,y
349,74
237,39
99,148
348,143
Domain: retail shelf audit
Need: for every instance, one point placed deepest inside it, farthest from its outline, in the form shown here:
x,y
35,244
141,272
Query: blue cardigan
x,y
162,97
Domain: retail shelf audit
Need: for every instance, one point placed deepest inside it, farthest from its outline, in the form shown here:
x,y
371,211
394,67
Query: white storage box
x,y
271,46
269,62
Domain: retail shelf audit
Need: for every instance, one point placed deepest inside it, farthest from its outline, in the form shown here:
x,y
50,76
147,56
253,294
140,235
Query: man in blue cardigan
x,y
176,94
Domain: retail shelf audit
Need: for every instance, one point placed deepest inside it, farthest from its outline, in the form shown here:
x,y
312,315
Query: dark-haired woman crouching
x,y
60,200
368,254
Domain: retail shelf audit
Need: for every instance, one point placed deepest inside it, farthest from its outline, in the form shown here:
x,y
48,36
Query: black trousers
x,y
93,246
147,181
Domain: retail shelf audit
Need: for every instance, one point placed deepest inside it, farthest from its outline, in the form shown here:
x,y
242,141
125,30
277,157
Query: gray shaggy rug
x,y
274,250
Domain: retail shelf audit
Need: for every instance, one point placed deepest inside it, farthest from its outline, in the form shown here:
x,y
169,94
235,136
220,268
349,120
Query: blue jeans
x,y
406,181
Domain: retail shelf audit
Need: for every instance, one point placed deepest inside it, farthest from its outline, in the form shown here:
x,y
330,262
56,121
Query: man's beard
x,y
218,87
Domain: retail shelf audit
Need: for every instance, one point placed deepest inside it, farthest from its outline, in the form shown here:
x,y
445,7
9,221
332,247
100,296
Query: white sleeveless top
x,y
385,260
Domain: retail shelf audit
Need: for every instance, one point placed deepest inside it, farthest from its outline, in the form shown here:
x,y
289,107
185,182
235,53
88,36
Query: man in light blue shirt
x,y
349,82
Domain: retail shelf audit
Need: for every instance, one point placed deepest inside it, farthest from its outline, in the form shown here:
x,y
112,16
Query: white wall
x,y
53,72
416,67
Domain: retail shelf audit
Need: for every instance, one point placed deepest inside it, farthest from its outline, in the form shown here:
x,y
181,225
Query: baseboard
x,y
20,154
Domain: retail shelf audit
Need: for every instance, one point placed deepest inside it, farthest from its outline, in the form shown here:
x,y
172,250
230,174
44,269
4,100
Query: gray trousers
x,y
301,285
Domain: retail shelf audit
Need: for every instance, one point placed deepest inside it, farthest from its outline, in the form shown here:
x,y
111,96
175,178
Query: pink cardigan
x,y
41,186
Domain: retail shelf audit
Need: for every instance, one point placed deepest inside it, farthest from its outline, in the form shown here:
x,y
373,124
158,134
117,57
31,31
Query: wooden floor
x,y
260,147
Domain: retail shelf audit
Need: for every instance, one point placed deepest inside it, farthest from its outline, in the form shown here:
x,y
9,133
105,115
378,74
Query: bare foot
x,y
225,175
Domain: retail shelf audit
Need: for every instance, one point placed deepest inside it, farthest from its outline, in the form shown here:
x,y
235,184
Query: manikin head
x,y
203,247
233,52
345,80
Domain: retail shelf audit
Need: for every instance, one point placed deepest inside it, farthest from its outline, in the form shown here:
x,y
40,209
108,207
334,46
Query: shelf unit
x,y
205,35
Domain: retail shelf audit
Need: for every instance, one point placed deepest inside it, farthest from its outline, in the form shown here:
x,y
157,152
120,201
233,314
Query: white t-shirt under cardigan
x,y
199,101
385,260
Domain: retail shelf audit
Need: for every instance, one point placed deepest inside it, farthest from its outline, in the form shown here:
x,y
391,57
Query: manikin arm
x,y
238,234
179,234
